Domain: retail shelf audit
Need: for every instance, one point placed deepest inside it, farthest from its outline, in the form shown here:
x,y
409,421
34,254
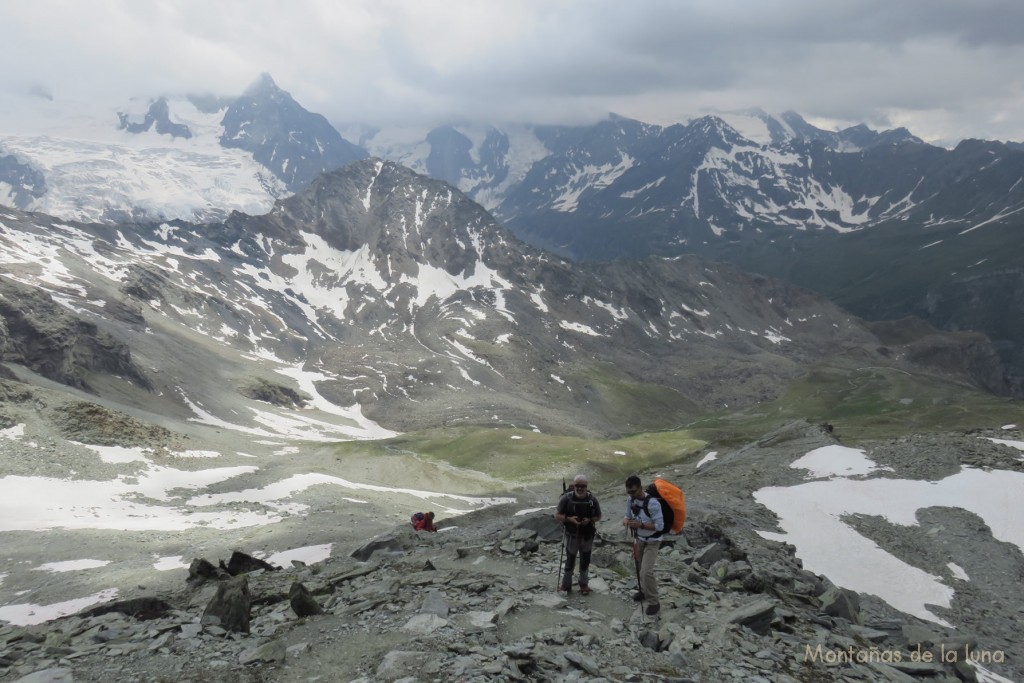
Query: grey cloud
x,y
949,66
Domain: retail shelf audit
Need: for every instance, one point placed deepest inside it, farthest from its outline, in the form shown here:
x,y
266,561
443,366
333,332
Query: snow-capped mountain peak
x,y
173,157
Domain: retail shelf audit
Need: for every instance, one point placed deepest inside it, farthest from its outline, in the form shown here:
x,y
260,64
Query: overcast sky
x,y
946,69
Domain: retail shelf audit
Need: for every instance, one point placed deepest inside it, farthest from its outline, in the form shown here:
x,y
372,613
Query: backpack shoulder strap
x,y
588,501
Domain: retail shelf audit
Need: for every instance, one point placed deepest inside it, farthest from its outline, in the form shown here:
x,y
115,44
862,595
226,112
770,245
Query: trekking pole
x,y
561,554
636,558
636,565
561,541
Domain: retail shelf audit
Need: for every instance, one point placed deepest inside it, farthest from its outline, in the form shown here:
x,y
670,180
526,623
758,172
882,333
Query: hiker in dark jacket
x,y
646,521
578,511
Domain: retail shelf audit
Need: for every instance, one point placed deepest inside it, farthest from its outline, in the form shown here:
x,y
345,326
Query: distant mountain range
x,y
386,300
885,224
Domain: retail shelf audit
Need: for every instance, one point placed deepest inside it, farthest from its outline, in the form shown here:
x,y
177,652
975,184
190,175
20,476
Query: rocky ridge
x,y
398,290
477,602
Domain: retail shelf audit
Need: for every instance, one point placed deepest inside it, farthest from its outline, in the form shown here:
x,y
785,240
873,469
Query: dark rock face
x,y
157,117
269,392
294,144
840,603
968,354
229,608
43,336
144,284
91,423
991,303
391,544
757,616
26,182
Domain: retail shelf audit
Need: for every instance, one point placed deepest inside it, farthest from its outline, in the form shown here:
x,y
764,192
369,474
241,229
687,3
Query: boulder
x,y
302,601
545,525
711,553
435,603
143,609
202,570
274,651
392,543
757,616
229,608
840,603
54,675
242,563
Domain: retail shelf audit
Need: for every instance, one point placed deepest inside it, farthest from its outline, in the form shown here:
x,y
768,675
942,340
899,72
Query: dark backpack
x,y
574,508
418,517
581,508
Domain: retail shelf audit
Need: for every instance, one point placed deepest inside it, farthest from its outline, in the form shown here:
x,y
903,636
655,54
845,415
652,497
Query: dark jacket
x,y
584,508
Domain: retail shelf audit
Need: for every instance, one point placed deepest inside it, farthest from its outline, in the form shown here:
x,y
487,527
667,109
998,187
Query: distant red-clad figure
x,y
423,521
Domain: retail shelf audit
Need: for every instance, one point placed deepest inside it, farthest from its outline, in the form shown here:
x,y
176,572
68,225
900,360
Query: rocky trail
x,y
477,602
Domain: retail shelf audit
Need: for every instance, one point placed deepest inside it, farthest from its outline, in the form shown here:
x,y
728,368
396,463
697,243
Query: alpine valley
x,y
881,222
224,321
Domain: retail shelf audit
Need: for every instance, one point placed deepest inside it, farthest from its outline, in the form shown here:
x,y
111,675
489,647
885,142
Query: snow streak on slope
x,y
740,172
50,259
589,177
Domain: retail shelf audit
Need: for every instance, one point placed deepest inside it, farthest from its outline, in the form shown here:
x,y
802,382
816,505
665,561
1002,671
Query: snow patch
x,y
811,517
713,455
28,614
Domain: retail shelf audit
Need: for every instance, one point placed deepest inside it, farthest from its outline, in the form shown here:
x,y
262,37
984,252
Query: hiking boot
x,y
584,589
638,596
565,587
653,609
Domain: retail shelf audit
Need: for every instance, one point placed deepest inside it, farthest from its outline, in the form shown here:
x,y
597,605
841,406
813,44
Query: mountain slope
x,y
758,190
958,275
585,188
884,224
379,300
389,295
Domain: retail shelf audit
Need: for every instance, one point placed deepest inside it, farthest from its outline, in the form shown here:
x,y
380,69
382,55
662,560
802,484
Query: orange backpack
x,y
673,504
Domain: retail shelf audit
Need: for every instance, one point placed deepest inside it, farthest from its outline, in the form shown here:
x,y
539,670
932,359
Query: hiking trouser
x,y
648,582
575,544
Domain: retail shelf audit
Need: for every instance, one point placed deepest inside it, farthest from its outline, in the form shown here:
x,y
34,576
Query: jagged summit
x,y
295,144
399,214
264,87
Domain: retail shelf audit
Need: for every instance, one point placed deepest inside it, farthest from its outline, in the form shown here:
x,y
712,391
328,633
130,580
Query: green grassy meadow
x,y
863,404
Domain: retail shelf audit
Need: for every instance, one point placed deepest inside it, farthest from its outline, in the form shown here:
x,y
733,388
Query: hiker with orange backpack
x,y
646,521
578,511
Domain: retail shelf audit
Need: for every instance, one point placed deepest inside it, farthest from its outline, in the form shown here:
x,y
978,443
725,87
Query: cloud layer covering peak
x,y
945,69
